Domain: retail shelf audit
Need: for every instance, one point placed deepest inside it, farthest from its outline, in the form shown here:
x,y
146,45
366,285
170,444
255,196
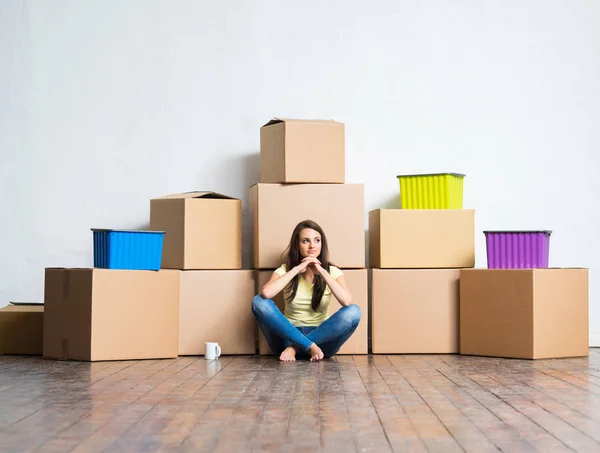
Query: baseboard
x,y
595,340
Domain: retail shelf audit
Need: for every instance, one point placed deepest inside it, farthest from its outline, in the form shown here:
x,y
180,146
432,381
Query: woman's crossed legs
x,y
316,342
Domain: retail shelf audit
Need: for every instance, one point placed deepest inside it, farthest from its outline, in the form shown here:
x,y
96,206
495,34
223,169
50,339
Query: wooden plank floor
x,y
383,403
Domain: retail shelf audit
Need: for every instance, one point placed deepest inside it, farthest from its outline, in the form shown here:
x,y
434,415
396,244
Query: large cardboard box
x,y
215,306
203,230
107,314
356,279
524,313
414,311
414,239
276,209
21,329
302,151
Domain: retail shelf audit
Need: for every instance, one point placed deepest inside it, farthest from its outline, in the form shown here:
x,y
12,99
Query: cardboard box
x,y
302,151
413,239
215,306
356,279
276,209
107,314
21,329
524,313
203,230
414,311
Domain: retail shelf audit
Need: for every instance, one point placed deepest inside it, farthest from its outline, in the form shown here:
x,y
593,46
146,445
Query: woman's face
x,y
310,243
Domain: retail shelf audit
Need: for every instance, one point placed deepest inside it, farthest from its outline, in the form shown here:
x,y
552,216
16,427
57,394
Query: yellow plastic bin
x,y
431,191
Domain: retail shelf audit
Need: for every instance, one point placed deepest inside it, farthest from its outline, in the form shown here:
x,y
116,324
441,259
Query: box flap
x,y
70,268
293,120
23,307
27,303
198,194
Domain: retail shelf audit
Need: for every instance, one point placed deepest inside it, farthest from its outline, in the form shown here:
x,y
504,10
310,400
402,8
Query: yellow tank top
x,y
299,311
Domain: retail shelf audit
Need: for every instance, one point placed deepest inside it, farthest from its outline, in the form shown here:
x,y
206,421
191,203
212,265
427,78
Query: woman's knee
x,y
260,305
352,313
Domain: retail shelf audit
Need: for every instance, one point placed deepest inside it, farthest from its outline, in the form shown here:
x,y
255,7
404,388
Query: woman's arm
x,y
338,287
277,282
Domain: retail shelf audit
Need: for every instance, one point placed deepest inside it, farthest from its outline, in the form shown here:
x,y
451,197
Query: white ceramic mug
x,y
212,351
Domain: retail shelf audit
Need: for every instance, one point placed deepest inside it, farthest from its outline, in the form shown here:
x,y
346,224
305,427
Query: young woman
x,y
308,280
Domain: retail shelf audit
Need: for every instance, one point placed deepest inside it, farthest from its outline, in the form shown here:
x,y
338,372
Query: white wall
x,y
106,104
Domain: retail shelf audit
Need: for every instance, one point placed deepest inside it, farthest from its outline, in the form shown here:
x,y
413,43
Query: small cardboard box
x,y
21,329
215,306
275,210
414,311
416,239
108,314
203,230
524,313
302,151
356,279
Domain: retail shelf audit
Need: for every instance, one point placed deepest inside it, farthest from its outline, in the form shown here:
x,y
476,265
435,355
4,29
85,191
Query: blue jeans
x,y
281,333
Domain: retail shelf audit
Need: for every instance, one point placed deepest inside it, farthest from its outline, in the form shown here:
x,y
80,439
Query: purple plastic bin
x,y
517,249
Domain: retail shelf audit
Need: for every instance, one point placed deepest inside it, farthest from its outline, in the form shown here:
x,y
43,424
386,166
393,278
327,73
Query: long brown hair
x,y
293,258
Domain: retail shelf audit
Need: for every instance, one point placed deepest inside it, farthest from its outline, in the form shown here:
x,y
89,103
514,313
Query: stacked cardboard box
x,y
416,256
302,176
520,308
118,314
524,313
203,241
110,314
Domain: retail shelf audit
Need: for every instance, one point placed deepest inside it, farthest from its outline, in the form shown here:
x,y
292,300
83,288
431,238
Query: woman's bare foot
x,y
288,354
315,353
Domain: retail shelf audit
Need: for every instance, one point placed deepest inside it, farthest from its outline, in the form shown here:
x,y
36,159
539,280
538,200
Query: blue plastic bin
x,y
128,249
